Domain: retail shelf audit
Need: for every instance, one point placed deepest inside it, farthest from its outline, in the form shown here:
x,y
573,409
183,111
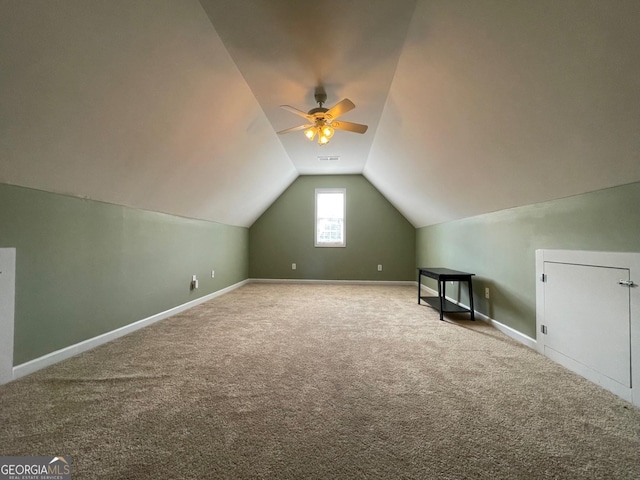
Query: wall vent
x,y
329,158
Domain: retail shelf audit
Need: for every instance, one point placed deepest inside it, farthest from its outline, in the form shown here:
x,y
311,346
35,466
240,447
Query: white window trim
x,y
344,218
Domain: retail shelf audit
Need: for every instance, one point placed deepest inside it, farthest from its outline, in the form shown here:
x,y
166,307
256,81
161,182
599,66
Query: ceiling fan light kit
x,y
322,120
324,132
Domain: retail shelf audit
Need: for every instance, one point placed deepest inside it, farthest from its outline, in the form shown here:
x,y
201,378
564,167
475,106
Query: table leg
x,y
441,295
473,317
419,282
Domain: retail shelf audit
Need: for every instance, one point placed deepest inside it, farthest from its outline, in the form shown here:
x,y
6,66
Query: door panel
x,y
588,318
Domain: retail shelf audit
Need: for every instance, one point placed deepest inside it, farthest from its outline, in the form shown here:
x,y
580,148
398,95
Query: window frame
x,y
342,244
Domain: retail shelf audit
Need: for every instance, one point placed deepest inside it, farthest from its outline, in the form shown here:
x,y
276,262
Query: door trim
x,y
7,312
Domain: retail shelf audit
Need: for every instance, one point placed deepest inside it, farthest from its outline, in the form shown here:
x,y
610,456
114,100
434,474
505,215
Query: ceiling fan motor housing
x,y
313,111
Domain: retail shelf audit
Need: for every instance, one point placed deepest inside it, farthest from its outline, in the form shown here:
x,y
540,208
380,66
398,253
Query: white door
x,y
587,320
7,299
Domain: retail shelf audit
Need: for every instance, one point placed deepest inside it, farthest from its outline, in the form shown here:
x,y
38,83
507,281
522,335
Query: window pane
x,y
330,218
330,205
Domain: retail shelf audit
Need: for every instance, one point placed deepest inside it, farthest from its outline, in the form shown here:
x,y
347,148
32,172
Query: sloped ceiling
x,y
497,104
172,106
136,103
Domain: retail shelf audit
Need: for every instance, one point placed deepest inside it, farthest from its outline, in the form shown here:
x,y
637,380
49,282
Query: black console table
x,y
442,276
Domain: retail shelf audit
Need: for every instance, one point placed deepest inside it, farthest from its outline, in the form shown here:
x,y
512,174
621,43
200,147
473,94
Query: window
x,y
330,217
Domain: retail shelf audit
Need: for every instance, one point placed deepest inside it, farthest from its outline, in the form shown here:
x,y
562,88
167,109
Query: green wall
x,y
376,234
84,268
500,247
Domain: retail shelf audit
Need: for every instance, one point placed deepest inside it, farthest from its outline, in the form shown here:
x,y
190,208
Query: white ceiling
x,y
472,106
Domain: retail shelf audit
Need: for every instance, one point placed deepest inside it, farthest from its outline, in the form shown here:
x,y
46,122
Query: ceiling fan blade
x,y
350,127
295,129
291,109
339,108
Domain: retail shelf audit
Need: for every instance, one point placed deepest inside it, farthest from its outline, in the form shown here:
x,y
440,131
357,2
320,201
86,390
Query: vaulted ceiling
x,y
472,106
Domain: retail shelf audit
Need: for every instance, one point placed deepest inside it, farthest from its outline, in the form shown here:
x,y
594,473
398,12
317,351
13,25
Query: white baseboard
x,y
509,331
336,282
506,329
73,350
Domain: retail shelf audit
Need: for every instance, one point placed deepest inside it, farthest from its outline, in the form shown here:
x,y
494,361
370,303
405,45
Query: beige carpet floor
x,y
319,382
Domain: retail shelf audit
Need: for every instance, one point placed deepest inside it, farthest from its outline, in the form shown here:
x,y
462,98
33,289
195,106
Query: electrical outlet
x,y
293,266
213,274
379,268
194,282
486,293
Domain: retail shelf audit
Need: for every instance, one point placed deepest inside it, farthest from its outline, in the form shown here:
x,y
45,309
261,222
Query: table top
x,y
444,272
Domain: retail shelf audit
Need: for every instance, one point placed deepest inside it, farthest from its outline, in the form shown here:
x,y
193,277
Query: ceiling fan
x,y
322,121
